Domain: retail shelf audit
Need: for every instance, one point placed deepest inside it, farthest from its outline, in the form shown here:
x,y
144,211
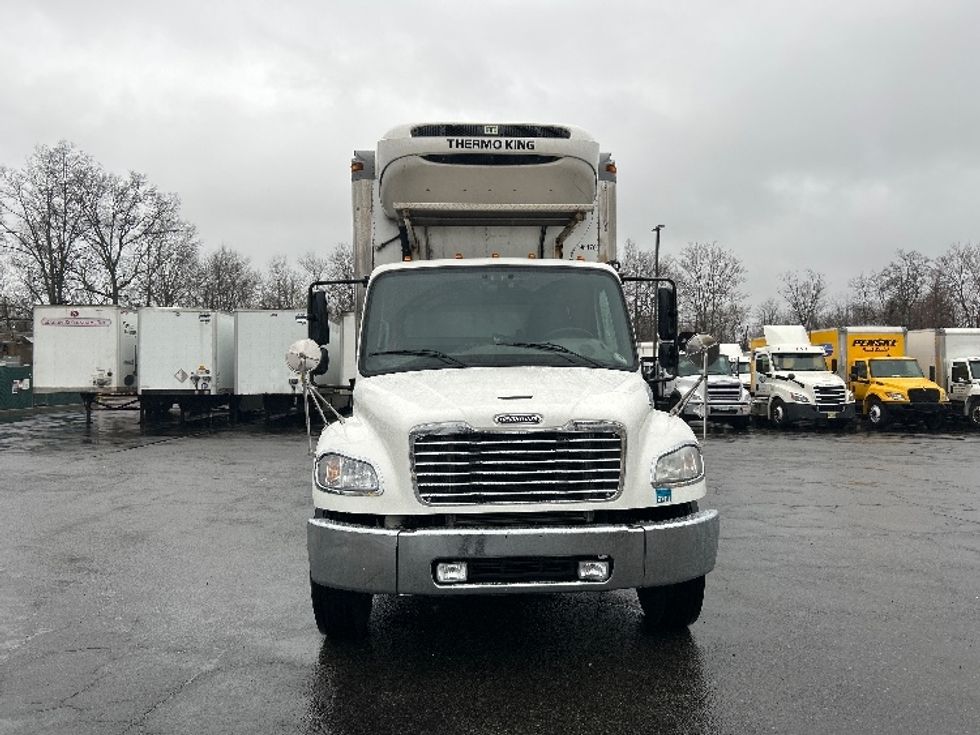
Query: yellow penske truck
x,y
888,385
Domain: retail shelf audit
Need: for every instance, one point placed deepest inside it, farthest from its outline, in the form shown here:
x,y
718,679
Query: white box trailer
x,y
261,339
85,349
186,352
951,357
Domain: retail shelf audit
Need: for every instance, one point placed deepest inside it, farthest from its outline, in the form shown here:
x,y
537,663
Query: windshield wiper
x,y
448,359
553,347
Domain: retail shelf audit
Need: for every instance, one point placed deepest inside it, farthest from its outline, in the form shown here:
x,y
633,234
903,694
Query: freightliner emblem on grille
x,y
518,418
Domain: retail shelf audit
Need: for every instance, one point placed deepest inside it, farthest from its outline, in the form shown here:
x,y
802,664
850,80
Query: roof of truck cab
x,y
490,262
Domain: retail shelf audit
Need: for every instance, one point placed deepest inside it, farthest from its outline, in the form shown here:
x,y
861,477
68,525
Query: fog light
x,y
593,571
451,572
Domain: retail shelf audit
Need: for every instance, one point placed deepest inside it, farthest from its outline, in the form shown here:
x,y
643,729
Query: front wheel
x,y
340,614
674,606
973,413
777,414
878,414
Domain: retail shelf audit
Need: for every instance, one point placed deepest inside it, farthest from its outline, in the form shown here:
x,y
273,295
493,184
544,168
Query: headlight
x,y
679,467
848,396
336,473
895,396
799,397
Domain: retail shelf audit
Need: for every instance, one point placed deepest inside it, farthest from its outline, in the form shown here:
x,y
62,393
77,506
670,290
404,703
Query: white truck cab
x,y
741,364
502,437
790,381
727,399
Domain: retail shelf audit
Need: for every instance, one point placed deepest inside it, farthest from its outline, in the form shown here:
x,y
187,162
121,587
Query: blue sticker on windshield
x,y
663,494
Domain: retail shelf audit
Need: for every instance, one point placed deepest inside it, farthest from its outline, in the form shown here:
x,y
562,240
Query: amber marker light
x,y
356,166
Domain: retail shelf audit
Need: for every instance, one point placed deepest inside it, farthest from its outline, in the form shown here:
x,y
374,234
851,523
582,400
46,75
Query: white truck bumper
x,y
393,561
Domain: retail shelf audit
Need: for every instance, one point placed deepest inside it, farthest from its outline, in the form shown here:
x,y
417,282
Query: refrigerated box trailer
x,y
261,338
90,350
188,358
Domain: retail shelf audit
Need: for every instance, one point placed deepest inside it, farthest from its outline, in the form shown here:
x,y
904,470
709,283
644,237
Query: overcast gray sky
x,y
800,134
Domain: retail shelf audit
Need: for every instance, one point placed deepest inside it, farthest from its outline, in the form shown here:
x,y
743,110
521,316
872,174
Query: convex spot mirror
x,y
702,345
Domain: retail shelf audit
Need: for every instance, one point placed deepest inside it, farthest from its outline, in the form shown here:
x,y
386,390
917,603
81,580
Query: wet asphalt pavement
x,y
157,583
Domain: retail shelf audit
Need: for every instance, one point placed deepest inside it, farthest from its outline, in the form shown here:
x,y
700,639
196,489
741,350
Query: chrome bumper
x,y
395,561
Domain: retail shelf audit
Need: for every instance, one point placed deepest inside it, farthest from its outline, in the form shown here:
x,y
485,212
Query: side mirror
x,y
668,356
854,375
318,327
932,374
833,365
666,314
318,318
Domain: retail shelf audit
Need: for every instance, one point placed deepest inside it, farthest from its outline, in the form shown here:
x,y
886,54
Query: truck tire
x,y
878,414
973,413
340,614
777,413
674,606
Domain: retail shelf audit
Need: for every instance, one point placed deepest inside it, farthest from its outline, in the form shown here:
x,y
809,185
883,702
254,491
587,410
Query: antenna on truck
x,y
303,357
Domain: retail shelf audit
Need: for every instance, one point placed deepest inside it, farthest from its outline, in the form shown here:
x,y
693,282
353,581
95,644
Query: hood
x,y
902,385
812,378
475,396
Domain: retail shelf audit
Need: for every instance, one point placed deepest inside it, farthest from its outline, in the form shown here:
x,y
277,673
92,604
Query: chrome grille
x,y
923,395
467,467
724,393
830,397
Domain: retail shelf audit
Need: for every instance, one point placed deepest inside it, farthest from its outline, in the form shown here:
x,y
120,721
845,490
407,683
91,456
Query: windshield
x,y
495,316
798,362
744,367
721,366
895,369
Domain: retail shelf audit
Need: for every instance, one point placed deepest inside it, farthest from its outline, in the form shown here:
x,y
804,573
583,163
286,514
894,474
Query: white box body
x,y
85,349
186,351
261,340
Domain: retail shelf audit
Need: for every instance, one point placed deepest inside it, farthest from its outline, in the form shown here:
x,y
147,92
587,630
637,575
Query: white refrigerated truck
x,y
502,438
951,358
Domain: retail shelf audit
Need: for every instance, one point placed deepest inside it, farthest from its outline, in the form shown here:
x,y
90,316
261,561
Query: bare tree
x,y
314,266
804,294
903,285
960,267
282,286
641,299
42,219
171,269
226,281
711,300
126,218
340,266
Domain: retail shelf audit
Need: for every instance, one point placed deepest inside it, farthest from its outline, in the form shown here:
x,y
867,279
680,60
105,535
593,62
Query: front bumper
x,y
393,561
807,412
717,411
913,411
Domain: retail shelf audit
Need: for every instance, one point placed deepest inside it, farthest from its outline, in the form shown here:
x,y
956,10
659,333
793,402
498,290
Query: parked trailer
x,y
951,357
261,337
90,350
188,358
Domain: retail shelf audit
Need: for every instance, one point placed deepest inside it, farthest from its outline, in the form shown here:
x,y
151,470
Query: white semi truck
x,y
502,438
727,401
791,384
951,358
